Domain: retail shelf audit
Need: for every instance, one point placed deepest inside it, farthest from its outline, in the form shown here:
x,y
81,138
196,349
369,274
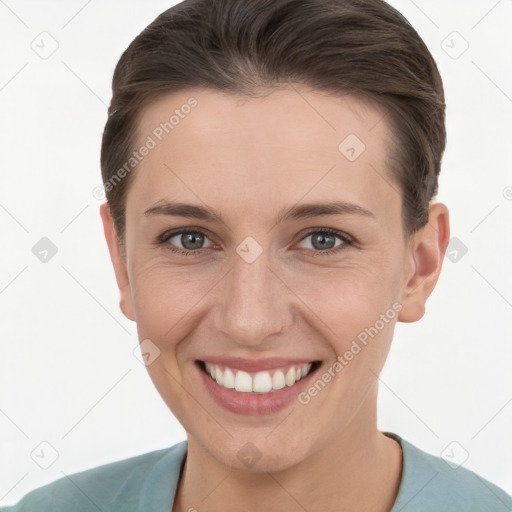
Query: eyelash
x,y
347,240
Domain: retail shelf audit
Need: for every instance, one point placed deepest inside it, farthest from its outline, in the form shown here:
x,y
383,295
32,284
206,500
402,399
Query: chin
x,y
259,453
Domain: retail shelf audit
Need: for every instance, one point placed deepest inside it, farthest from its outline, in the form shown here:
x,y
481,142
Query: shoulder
x,y
432,483
118,485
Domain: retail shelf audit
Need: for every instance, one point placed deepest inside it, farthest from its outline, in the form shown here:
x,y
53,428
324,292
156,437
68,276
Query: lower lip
x,y
254,404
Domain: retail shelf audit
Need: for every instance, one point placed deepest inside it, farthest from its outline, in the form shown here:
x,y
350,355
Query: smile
x,y
267,381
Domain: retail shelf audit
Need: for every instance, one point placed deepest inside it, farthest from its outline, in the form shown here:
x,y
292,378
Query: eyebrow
x,y
300,211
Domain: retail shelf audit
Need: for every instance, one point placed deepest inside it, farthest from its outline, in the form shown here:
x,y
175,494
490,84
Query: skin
x,y
250,159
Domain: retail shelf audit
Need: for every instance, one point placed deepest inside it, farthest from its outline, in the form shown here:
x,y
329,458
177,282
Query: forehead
x,y
291,143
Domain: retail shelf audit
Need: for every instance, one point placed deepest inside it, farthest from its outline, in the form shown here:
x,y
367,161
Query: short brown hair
x,y
361,47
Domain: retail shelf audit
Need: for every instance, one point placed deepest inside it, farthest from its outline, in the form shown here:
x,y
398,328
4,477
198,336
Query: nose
x,y
254,302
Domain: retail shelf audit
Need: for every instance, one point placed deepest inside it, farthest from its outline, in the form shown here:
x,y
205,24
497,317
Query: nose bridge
x,y
253,303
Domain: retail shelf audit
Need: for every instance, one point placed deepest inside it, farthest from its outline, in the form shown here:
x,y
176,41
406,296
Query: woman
x,y
271,170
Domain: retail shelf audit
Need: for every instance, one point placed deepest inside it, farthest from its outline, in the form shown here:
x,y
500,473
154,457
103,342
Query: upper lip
x,y
256,365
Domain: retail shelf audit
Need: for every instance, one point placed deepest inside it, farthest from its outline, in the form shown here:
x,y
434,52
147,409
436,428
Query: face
x,y
263,284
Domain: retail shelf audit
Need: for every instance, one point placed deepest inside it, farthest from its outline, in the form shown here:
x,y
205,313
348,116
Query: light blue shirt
x,y
148,482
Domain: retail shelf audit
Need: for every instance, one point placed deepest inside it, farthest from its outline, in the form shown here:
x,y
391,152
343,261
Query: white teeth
x,y
261,382
229,379
243,382
278,380
219,376
290,377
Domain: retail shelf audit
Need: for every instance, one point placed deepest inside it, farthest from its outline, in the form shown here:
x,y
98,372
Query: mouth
x,y
258,382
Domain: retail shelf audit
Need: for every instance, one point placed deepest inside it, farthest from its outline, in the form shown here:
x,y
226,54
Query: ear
x,y
118,261
424,261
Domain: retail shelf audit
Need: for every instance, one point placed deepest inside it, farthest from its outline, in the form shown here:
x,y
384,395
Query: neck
x,y
358,470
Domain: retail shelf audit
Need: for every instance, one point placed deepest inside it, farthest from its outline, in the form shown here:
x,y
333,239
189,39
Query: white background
x,y
68,374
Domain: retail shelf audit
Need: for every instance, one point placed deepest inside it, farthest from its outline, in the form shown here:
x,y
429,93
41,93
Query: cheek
x,y
163,303
351,297
355,310
167,301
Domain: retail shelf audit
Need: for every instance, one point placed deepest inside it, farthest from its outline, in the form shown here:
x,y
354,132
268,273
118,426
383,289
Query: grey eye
x,y
191,240
322,241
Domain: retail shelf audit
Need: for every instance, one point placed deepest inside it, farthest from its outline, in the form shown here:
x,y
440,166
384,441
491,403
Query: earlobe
x,y
426,255
118,262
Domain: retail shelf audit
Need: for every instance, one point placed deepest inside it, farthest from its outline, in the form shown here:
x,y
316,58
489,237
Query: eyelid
x,y
335,232
178,231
